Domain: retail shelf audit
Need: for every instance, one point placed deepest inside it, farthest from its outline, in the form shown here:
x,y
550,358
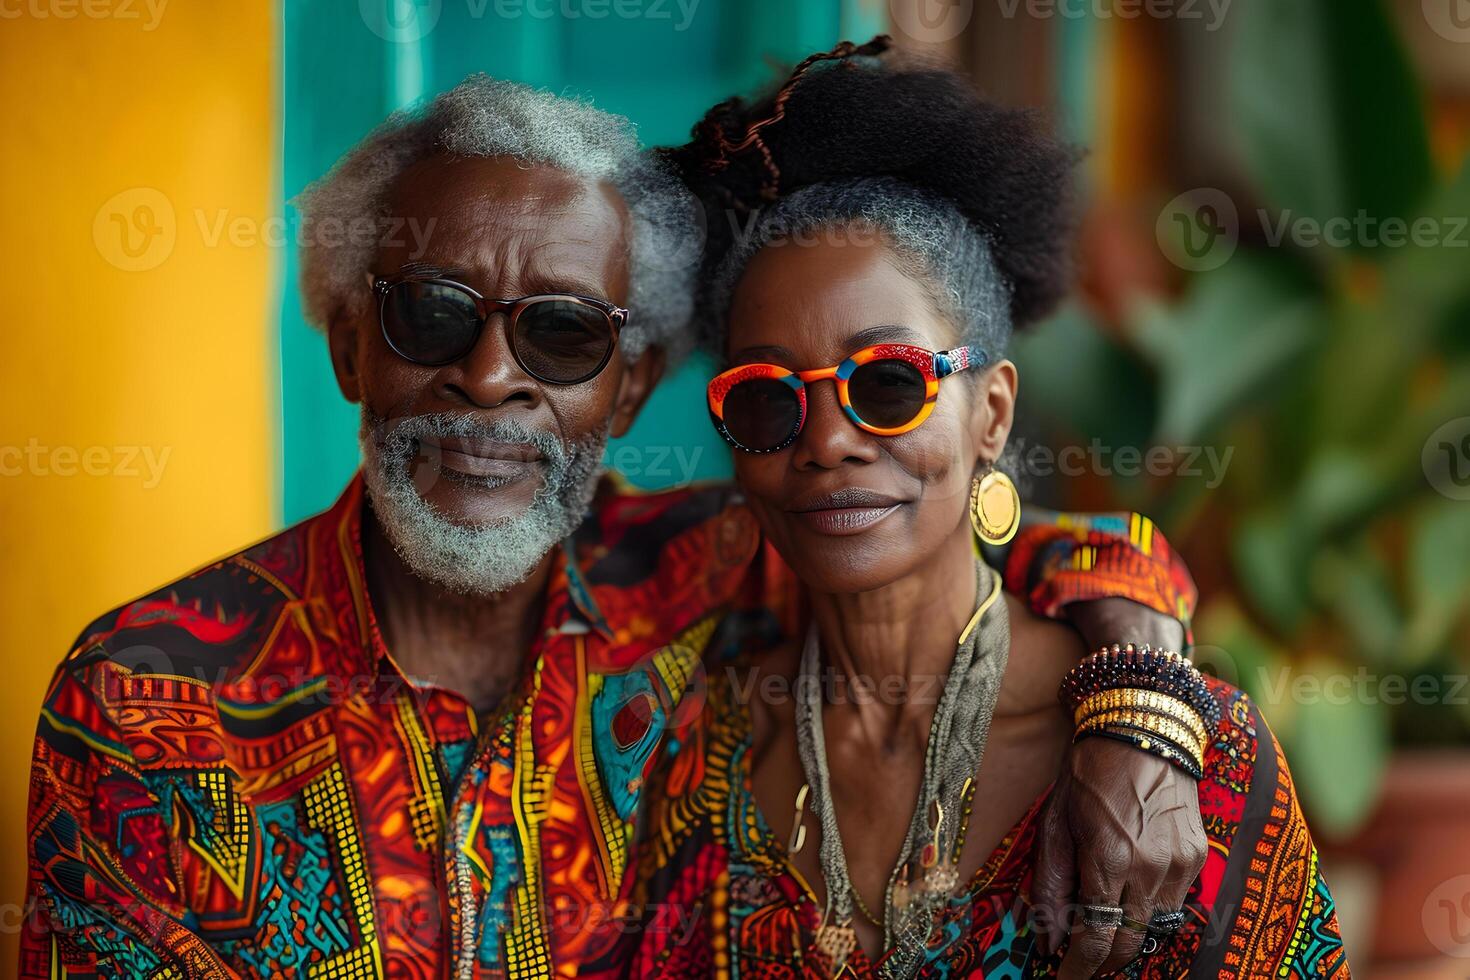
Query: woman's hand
x,y
1122,827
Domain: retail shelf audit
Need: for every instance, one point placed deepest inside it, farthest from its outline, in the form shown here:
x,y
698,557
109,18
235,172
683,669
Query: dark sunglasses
x,y
887,389
558,338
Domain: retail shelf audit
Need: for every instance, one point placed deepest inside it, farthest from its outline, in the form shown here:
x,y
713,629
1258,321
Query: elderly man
x,y
407,737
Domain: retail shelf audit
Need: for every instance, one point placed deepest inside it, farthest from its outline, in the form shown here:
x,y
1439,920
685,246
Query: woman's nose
x,y
828,437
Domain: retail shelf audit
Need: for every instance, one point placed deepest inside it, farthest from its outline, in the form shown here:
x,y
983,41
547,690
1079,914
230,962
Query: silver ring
x,y
1166,923
1102,916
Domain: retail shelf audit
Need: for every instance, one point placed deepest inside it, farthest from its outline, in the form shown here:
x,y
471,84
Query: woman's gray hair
x,y
482,117
942,250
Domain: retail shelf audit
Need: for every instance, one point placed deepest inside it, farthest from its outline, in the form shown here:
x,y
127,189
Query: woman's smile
x,y
850,510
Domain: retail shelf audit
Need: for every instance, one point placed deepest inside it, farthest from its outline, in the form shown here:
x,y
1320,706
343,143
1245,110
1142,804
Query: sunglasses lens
x,y
887,393
762,413
429,322
563,341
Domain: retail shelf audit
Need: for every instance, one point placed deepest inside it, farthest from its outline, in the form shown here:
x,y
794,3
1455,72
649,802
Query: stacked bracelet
x,y
1162,671
1155,700
1145,721
1138,699
1153,745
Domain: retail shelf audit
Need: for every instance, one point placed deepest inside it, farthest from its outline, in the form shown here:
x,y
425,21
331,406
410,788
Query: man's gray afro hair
x,y
344,214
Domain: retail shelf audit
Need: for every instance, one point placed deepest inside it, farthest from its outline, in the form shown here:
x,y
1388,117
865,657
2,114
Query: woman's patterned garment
x,y
724,900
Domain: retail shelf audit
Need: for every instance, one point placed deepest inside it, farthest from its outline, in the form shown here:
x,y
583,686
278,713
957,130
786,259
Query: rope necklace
x,y
936,828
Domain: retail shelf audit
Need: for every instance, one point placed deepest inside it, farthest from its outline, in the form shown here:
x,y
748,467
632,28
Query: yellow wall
x,y
102,364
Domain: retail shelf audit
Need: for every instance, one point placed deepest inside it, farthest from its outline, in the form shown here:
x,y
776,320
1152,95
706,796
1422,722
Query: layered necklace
x,y
924,881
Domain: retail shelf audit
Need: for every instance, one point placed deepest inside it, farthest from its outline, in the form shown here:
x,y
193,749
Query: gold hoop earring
x,y
995,507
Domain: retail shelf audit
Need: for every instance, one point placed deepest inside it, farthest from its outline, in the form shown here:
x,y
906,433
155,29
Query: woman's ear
x,y
993,411
637,384
342,340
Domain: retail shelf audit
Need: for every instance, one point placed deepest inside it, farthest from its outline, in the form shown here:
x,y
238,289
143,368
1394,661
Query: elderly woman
x,y
891,231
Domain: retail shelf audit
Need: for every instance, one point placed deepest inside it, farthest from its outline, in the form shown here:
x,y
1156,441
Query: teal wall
x,y
348,64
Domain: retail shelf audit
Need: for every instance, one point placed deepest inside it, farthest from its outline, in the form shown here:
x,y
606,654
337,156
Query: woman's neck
x,y
891,648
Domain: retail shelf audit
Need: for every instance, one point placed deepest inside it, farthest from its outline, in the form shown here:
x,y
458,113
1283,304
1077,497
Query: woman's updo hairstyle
x,y
977,196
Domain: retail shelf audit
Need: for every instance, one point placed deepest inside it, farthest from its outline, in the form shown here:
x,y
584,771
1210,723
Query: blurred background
x,y
1269,352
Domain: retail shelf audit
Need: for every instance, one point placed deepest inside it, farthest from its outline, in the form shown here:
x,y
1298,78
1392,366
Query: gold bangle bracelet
x,y
1147,716
1149,722
1164,740
1150,742
1145,700
1183,718
1146,719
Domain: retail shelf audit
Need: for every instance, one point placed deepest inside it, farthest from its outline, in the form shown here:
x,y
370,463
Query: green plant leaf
x,y
1236,331
1327,109
1228,646
1071,372
1338,746
1425,281
1354,584
1438,575
1271,557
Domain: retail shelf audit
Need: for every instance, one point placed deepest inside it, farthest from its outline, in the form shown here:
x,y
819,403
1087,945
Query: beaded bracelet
x,y
1144,668
1152,744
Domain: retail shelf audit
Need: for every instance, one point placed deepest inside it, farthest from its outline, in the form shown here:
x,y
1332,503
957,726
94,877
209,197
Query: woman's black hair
x,y
857,113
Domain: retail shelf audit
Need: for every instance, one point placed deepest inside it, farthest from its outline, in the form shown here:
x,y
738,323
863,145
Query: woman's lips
x,y
846,511
844,520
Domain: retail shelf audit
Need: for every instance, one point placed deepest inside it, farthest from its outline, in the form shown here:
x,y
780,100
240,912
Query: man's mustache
x,y
400,434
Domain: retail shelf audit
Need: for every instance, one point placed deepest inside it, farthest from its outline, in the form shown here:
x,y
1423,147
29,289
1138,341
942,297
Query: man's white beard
x,y
473,559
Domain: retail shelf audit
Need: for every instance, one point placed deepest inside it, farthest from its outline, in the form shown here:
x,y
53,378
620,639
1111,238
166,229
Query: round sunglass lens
x,y
430,323
563,341
761,413
887,393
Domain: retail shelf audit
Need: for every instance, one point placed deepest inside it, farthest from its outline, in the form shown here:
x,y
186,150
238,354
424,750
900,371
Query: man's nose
x,y
828,437
489,375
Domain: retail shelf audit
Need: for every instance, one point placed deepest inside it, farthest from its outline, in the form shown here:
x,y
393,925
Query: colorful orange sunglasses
x,y
887,389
